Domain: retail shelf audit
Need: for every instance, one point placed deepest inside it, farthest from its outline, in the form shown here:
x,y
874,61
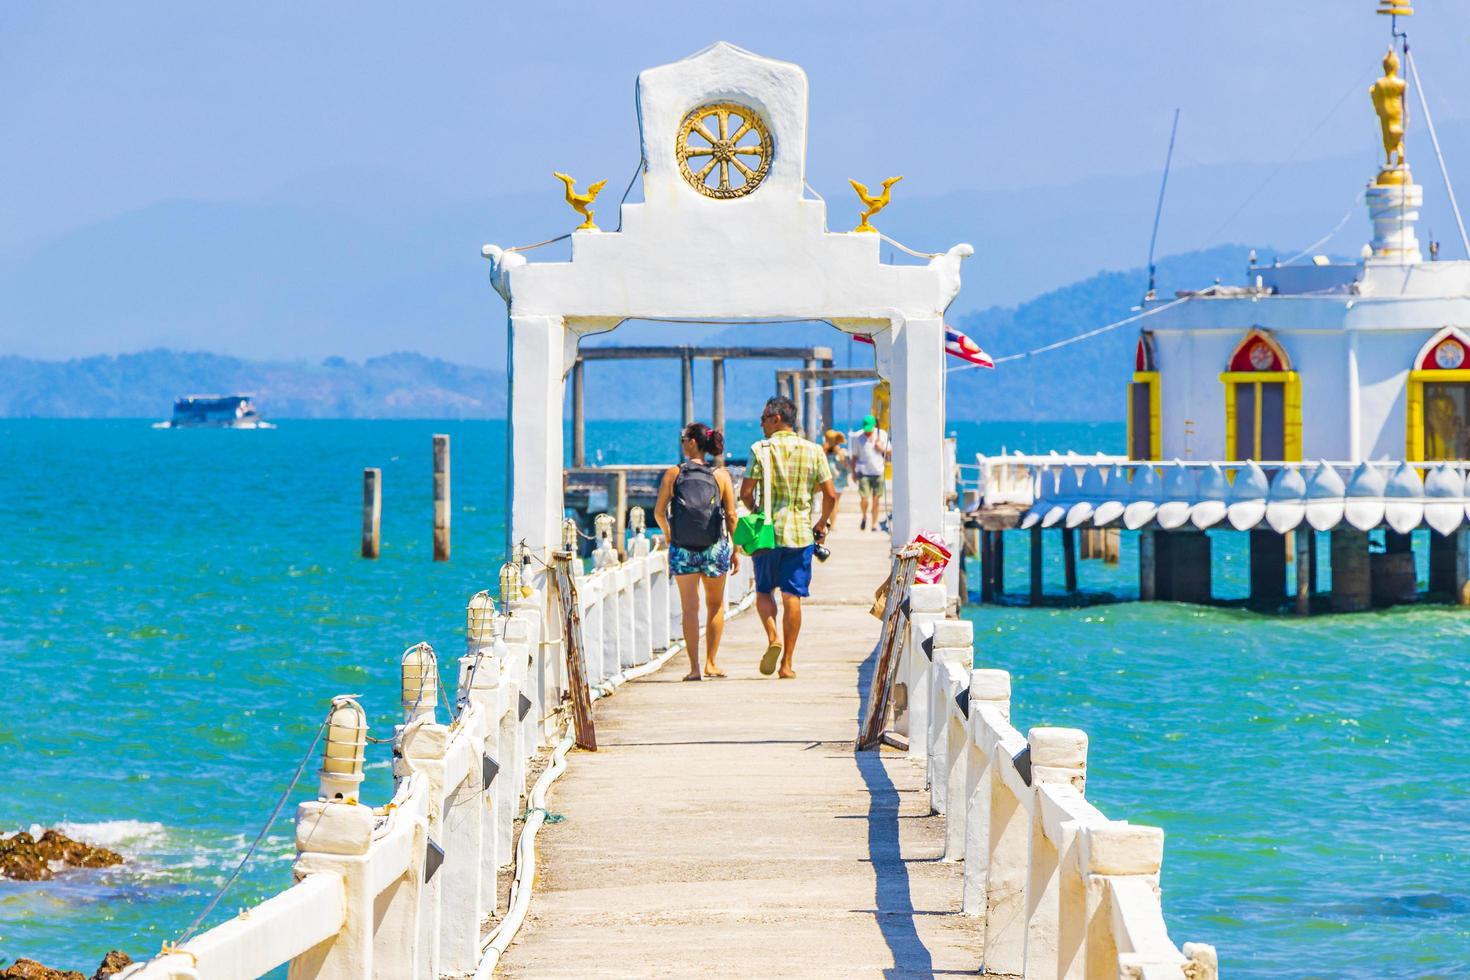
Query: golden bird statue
x,y
872,203
581,203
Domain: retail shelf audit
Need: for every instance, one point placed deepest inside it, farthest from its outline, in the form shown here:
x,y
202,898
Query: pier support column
x,y
579,416
1069,558
1182,566
829,401
536,443
686,375
987,567
1350,577
1268,568
617,503
1306,569
916,374
717,393
1392,576
1448,566
1038,588
998,552
1148,565
811,403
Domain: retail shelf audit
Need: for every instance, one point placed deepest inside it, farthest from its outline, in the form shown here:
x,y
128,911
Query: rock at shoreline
x,y
24,969
112,963
25,858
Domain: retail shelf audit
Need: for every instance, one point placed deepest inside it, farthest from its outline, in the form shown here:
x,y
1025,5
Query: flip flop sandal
x,y
768,662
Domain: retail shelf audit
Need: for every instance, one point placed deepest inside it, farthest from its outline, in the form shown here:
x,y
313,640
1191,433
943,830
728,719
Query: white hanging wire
x,y
1079,337
1291,157
1357,202
1438,155
1030,353
561,238
898,245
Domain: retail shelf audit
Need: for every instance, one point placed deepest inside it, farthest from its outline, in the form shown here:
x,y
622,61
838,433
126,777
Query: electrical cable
x,y
1434,140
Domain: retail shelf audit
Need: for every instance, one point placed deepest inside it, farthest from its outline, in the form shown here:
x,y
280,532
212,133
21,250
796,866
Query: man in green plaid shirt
x,y
798,469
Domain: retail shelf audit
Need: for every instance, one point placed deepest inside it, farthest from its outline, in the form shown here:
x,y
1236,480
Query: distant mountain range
x,y
1082,381
363,264
146,384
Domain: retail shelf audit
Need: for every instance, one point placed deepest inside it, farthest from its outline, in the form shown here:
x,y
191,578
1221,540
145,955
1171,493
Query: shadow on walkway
x,y
893,898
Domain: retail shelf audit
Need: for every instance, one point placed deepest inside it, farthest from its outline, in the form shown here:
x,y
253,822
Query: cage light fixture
x,y
345,750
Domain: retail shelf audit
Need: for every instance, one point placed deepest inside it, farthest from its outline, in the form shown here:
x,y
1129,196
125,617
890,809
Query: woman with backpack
x,y
696,512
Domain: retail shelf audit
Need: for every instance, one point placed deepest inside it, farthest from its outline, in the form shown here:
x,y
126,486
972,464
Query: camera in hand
x,y
821,551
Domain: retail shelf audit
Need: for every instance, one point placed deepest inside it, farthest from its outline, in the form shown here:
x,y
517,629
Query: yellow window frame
x,y
1291,410
1414,429
1155,413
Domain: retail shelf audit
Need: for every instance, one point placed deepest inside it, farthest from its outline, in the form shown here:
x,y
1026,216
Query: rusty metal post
x,y
441,497
372,510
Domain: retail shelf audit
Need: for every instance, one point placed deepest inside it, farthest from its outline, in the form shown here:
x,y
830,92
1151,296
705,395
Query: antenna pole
x,y
1159,208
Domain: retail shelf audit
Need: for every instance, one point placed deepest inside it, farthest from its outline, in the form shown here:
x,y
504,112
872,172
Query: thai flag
x,y
964,348
955,343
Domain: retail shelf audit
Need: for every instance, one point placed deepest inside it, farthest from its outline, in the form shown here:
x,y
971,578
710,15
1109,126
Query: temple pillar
x,y
537,345
917,409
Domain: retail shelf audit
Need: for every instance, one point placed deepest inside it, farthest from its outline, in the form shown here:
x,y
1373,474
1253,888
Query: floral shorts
x,y
712,562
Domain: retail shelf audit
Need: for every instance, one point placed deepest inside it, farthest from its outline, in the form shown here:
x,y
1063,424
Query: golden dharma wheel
x,y
724,150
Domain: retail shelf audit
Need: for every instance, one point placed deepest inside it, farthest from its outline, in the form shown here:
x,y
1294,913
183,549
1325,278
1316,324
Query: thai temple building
x,y
1356,372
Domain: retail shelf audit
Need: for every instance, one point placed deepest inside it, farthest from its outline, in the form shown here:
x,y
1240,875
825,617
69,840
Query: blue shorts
x,y
787,569
711,562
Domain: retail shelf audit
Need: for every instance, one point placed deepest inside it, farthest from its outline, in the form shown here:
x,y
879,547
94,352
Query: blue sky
x,y
113,109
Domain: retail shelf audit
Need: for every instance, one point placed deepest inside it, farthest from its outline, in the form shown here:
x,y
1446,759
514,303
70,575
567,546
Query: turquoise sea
x,y
177,607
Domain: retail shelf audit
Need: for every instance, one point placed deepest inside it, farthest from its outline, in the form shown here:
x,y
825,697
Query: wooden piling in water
x,y
1037,587
1069,558
1268,567
1351,590
987,568
1148,566
1448,566
1306,569
372,510
441,497
998,553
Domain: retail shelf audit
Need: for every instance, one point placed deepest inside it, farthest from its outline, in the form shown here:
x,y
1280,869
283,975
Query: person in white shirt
x,y
871,452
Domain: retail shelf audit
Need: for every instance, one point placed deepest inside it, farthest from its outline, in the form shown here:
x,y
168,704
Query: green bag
x,y
754,533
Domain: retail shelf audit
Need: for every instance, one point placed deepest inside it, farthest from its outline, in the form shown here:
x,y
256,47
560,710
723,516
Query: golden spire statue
x,y
872,203
1388,102
581,203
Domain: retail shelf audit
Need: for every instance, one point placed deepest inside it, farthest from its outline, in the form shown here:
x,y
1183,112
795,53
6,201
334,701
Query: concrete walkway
x,y
728,829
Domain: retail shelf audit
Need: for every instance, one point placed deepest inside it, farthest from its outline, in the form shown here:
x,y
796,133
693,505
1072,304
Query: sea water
x,y
177,608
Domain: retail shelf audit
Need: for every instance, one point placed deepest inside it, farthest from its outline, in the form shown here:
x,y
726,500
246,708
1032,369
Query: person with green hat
x,y
871,452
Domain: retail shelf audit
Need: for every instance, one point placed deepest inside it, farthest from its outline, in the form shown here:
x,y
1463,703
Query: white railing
x,y
406,890
1058,889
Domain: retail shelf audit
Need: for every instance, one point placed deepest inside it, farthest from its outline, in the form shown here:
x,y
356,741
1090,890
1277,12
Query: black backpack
x,y
697,518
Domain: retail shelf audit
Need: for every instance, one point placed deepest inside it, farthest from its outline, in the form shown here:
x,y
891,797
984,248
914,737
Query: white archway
x,y
683,254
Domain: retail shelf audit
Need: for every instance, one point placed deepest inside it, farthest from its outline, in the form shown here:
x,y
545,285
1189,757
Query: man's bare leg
x,y
765,608
714,622
689,606
790,627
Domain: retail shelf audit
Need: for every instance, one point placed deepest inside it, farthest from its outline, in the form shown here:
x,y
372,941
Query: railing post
x,y
926,607
460,908
659,622
485,697
642,603
333,837
954,642
1109,851
1058,758
990,695
421,746
957,743
1006,851
627,609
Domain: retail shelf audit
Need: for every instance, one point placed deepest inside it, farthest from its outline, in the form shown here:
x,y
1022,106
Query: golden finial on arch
x,y
872,203
581,203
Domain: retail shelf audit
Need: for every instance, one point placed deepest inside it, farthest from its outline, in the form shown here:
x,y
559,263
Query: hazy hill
x,y
1084,381
146,384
